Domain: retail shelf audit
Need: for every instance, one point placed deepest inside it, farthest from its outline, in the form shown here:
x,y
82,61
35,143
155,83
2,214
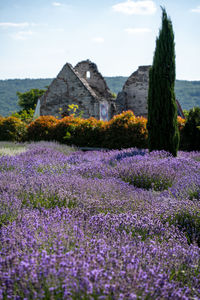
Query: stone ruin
x,y
85,86
82,85
134,93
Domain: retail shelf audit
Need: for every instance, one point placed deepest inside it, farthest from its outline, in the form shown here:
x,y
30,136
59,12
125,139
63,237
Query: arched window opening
x,y
88,74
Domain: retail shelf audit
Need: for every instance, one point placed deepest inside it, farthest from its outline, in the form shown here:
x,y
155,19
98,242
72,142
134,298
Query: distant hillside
x,y
187,92
115,84
9,88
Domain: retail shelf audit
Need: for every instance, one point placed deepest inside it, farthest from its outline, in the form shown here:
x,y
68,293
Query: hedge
x,y
190,137
42,129
122,131
125,131
12,129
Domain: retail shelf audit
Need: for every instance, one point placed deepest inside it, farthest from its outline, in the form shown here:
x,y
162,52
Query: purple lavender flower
x,y
99,225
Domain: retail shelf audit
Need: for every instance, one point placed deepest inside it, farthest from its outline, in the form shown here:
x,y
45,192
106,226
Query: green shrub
x,y
80,132
190,137
88,133
12,129
65,129
24,115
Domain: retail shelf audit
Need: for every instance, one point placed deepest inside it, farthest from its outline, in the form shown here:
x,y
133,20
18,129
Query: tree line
x,y
187,92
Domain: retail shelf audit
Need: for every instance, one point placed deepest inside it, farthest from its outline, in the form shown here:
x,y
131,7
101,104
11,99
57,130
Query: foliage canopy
x,y
29,99
162,110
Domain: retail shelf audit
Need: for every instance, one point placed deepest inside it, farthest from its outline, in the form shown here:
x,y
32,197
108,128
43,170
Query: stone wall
x,y
69,88
86,87
134,93
73,86
90,73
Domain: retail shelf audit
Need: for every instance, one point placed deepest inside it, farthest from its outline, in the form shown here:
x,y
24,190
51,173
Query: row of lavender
x,y
99,225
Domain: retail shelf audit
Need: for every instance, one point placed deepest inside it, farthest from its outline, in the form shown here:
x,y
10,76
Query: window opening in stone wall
x,y
88,74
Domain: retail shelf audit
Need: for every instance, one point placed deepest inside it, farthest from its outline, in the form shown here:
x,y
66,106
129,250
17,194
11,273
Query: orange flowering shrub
x,y
12,129
42,129
65,129
122,131
126,130
80,132
1,119
181,123
89,133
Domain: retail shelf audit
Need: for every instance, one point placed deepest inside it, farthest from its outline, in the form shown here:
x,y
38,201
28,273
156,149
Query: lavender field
x,y
99,225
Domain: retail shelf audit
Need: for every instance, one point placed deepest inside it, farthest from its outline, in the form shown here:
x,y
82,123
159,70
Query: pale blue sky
x,y
37,37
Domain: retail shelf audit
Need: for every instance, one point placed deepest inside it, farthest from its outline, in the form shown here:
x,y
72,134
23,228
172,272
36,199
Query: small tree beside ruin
x,y
162,110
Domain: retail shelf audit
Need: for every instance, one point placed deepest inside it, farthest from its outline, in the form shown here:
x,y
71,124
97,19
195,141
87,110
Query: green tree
x,y
191,132
162,110
29,99
24,115
186,113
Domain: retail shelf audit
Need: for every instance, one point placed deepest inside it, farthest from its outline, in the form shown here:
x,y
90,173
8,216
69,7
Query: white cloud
x,y
196,10
137,30
57,30
98,40
10,24
56,4
131,7
22,35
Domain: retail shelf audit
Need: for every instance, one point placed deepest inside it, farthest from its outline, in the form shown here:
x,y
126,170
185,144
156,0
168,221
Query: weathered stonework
x,y
86,87
134,93
90,73
82,85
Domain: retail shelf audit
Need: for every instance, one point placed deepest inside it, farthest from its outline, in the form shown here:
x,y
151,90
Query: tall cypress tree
x,y
162,125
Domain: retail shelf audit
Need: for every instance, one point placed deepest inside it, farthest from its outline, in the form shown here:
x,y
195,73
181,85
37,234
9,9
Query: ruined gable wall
x,y
135,92
67,89
90,73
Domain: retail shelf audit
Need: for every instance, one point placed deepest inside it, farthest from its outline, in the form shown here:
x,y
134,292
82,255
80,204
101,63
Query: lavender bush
x,y
99,225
